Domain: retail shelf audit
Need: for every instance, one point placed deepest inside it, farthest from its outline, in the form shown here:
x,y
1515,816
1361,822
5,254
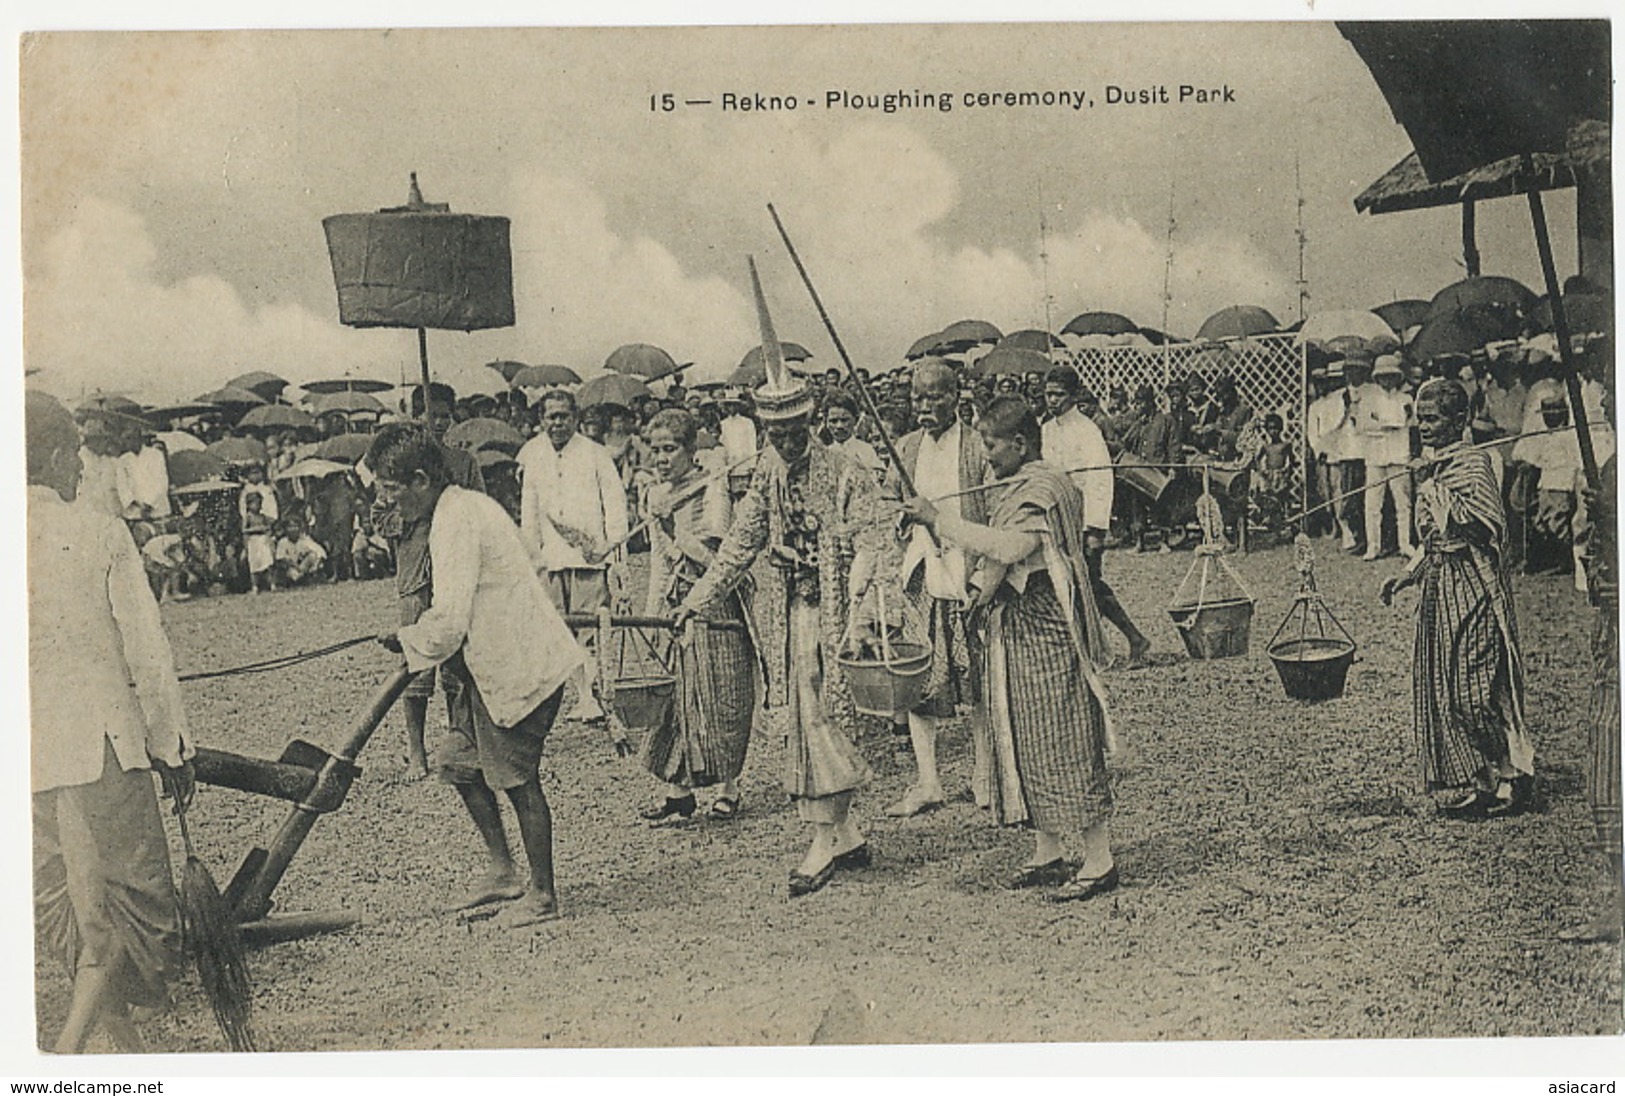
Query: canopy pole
x,y
423,366
1469,238
1560,325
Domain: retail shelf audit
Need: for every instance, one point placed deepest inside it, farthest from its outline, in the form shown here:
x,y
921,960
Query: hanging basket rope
x,y
1215,619
1314,658
886,677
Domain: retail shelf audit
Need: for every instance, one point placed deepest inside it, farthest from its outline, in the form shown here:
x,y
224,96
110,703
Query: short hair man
x,y
572,511
413,581
1073,440
106,710
490,610
943,458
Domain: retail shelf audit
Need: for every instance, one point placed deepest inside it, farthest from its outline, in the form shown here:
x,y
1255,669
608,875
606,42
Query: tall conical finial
x,y
414,197
783,395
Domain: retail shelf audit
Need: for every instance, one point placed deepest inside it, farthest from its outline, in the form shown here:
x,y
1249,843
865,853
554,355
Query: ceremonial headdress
x,y
783,396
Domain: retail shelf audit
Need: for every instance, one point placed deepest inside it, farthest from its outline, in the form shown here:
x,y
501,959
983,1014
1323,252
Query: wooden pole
x,y
1560,325
423,366
851,370
1469,238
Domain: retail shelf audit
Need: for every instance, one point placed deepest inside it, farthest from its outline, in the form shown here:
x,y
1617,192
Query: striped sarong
x,y
1047,726
704,736
1467,684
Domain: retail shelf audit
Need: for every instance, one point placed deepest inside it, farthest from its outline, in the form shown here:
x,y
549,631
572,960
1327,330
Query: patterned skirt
x,y
1047,728
1464,688
703,738
1602,776
951,681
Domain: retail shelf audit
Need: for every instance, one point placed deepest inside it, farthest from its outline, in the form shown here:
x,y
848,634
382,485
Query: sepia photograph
x,y
818,535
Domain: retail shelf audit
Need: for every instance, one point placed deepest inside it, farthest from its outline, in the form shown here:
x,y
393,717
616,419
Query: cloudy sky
x,y
174,186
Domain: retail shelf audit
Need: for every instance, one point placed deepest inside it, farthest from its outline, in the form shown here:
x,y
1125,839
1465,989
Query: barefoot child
x,y
488,609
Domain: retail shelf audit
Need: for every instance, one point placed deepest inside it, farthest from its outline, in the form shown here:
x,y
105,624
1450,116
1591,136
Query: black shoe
x,y
1475,805
1076,889
801,885
1051,874
683,806
859,857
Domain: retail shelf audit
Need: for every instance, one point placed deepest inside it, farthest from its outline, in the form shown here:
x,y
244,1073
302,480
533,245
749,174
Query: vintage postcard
x,y
947,533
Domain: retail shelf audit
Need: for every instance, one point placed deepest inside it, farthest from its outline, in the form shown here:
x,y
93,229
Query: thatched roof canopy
x,y
1406,186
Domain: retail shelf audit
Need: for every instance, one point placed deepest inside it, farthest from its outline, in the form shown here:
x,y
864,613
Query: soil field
x,y
1283,878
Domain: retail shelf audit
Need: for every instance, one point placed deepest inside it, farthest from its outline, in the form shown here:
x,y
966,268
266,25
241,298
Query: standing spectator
x,y
1073,440
106,710
573,508
1357,385
1323,436
1151,441
840,425
1468,693
1384,426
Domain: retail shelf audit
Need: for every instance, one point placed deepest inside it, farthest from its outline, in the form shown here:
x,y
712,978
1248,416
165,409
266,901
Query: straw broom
x,y
214,944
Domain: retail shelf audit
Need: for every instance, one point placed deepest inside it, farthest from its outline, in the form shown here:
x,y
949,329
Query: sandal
x,y
1077,889
1049,874
725,809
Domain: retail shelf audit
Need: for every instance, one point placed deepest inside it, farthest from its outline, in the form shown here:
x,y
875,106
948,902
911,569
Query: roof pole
x,y
1560,325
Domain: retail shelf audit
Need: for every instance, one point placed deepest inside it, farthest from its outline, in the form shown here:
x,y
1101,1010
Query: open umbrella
x,y
179,441
240,450
1492,304
1010,361
612,388
1402,315
345,448
235,398
346,384
642,360
260,383
312,468
1349,346
277,416
964,333
1239,321
1323,327
923,346
475,434
1446,335
1588,313
349,403
1029,339
752,369
177,411
1099,323
205,487
544,376
491,458
194,466
507,368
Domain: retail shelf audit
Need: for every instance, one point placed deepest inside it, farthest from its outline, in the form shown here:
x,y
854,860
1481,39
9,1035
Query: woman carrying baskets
x,y
1468,688
1046,709
702,737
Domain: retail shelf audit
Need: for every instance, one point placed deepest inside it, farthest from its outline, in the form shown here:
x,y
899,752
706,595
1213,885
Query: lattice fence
x,y
1269,371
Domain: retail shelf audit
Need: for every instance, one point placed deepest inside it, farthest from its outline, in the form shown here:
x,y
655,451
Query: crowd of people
x,y
968,519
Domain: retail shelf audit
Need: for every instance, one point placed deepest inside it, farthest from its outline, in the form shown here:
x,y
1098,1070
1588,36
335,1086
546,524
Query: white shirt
x,y
147,484
578,487
936,475
1558,455
1328,426
738,437
103,484
1384,426
490,604
1072,440
99,664
267,494
860,453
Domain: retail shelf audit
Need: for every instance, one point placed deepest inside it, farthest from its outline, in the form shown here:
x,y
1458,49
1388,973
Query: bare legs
x,y
417,716
538,899
94,1005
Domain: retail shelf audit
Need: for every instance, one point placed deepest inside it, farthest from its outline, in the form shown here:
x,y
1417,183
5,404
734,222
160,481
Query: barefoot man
x,y
489,608
943,458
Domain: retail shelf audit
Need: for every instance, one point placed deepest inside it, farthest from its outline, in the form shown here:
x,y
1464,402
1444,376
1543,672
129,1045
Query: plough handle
x,y
589,620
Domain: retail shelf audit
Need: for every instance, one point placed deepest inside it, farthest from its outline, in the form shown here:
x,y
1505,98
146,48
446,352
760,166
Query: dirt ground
x,y
1283,878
